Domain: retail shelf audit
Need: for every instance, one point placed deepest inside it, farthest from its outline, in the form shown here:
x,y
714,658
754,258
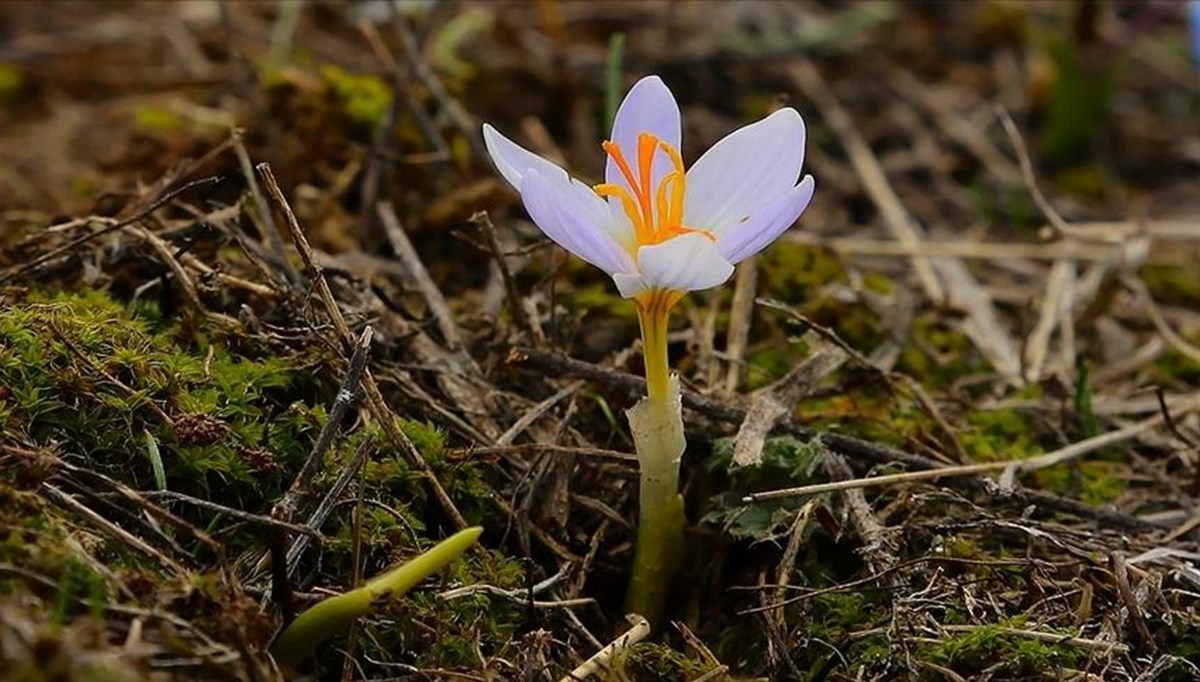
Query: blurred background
x,y
97,95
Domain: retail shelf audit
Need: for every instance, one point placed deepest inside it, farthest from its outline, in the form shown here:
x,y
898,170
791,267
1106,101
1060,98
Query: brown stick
x,y
484,222
556,364
378,407
109,226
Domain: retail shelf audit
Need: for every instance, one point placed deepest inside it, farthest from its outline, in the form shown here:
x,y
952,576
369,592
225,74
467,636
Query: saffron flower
x,y
661,231
652,226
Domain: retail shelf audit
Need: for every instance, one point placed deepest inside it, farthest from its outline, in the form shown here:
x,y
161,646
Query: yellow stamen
x,y
641,230
656,213
647,145
662,203
618,157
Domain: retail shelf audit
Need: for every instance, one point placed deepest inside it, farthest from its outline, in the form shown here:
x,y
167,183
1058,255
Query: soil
x,y
272,324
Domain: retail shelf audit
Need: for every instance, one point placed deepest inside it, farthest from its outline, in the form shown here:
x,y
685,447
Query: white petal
x,y
514,161
575,218
689,262
648,108
630,284
765,222
747,167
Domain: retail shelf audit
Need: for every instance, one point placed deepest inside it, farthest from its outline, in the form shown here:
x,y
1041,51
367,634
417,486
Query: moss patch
x,y
973,650
83,370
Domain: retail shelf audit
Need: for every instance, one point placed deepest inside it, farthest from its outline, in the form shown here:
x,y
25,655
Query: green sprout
x,y
333,615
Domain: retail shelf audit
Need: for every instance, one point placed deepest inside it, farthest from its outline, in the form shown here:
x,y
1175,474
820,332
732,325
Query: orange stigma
x,y
655,212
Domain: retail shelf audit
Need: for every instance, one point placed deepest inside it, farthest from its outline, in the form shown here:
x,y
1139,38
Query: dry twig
x,y
635,634
374,398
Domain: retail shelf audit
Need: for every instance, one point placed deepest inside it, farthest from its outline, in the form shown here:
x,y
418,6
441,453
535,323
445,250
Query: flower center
x,y
656,212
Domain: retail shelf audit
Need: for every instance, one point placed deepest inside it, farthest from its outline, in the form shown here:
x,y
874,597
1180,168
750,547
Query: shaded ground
x,y
169,356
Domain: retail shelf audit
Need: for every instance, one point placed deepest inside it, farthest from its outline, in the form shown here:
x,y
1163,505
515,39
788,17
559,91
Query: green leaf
x,y
156,463
333,615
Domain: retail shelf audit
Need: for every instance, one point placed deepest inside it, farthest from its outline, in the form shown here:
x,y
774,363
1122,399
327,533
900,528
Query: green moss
x,y
30,534
77,580
84,370
937,354
80,369
600,298
1000,434
157,119
429,632
652,662
793,272
1086,182
1172,284
428,439
838,617
971,651
768,364
1180,637
11,82
838,613
462,478
1176,369
365,99
1094,482
881,413
878,283
962,547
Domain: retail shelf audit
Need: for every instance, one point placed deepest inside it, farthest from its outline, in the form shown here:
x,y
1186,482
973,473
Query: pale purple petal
x,y
513,160
629,284
747,167
689,262
648,108
575,218
765,223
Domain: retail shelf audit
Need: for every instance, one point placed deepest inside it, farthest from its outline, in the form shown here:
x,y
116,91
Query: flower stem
x,y
657,425
654,314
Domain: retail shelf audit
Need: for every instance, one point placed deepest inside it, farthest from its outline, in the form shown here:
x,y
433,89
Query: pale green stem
x,y
657,425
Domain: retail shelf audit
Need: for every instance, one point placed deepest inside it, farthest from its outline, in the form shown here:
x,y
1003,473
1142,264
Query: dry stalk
x,y
956,283
378,406
265,221
328,502
557,364
741,314
110,225
485,225
603,657
536,413
1049,459
408,255
777,401
1056,306
116,532
285,508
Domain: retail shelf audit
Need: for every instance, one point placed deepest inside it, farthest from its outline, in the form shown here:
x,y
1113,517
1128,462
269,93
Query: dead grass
x,y
945,429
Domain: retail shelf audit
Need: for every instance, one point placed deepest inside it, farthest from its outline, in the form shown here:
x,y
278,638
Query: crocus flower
x,y
653,227
660,232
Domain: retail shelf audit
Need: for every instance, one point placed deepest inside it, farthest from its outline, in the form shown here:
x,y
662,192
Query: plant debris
x,y
269,325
